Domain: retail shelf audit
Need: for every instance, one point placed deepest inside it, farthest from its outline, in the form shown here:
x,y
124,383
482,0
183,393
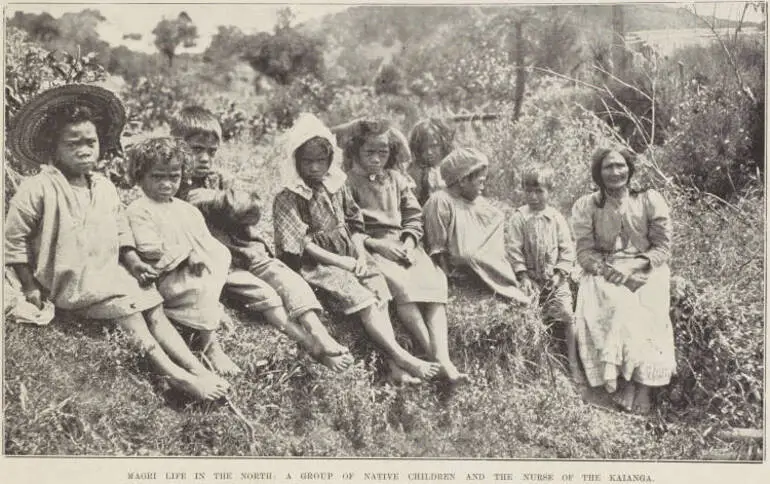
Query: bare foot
x,y
625,398
220,361
201,387
642,401
332,355
418,368
398,376
611,386
452,374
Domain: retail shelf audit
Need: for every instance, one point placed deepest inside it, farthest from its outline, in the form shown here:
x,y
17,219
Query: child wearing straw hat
x,y
68,240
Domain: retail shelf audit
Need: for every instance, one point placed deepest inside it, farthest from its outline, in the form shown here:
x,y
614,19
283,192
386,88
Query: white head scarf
x,y
305,128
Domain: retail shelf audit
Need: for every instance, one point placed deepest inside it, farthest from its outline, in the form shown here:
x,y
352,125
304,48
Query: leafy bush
x,y
717,310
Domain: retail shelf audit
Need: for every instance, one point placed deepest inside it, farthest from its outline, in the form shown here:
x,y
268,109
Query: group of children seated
x,y
357,227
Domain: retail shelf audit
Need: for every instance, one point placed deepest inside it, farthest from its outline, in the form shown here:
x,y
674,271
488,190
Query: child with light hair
x,y
171,235
543,255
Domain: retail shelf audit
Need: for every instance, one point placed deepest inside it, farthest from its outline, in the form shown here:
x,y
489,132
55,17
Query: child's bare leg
x,y
173,344
410,315
569,335
435,317
625,397
378,326
213,350
278,318
331,354
642,399
201,386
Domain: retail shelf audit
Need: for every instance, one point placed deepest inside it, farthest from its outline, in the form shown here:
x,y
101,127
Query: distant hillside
x,y
386,24
360,39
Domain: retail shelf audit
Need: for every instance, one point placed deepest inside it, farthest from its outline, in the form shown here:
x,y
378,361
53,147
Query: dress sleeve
x,y
516,239
583,227
566,259
659,230
411,212
290,229
148,241
22,223
354,218
437,218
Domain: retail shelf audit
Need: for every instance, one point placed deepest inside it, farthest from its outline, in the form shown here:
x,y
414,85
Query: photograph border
x,y
71,469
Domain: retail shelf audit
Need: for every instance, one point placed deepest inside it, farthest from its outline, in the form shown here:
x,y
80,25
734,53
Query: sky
x,y
250,18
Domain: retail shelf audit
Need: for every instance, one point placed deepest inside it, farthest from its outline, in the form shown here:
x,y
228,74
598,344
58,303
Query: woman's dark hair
x,y
315,141
596,169
69,114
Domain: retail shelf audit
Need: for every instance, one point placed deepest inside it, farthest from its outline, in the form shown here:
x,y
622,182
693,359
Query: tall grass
x,y
76,388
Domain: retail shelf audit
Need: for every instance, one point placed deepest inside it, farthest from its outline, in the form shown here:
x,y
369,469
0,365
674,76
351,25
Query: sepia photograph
x,y
458,232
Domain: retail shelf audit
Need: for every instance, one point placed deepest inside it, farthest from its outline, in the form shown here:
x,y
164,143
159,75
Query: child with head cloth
x,y
319,230
463,230
256,278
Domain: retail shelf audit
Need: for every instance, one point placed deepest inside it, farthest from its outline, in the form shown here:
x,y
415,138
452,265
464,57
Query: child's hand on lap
x,y
390,250
142,271
196,264
526,284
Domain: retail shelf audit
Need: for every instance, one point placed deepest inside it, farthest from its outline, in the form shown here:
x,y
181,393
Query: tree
x,y
169,34
287,54
228,43
41,28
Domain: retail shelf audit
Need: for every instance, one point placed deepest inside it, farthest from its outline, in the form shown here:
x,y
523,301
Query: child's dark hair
x,y
596,169
424,130
195,120
361,131
69,114
537,176
146,154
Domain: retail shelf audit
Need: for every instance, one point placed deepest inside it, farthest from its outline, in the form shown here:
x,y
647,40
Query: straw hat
x,y
25,136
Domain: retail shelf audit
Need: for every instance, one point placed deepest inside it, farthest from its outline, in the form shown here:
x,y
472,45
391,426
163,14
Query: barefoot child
x,y
171,235
393,222
66,234
430,141
319,231
262,282
462,229
542,253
